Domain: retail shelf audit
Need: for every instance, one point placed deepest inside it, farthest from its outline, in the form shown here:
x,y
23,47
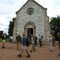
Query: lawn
x,y
1,40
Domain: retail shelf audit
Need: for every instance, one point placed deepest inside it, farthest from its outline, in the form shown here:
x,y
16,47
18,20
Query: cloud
x,y
3,23
52,6
9,7
7,12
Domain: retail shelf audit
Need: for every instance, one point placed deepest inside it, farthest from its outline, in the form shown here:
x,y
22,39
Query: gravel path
x,y
40,53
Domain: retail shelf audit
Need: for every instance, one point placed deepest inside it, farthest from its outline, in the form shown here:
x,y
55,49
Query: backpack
x,y
10,40
27,42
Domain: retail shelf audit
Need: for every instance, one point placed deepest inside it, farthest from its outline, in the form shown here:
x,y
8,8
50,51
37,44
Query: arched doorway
x,y
29,32
29,29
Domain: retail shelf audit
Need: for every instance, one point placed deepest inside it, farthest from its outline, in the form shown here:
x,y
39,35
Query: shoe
x,y
59,54
28,56
19,55
34,50
16,49
51,50
3,47
10,47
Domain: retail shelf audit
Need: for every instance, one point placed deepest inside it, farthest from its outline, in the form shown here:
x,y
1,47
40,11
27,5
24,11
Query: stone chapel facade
x,y
32,19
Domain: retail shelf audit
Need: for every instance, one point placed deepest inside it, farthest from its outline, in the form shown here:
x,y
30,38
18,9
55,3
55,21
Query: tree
x,y
11,26
1,33
55,24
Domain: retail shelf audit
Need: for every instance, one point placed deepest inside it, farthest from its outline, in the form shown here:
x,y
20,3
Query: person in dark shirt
x,y
58,34
40,40
24,47
4,39
35,39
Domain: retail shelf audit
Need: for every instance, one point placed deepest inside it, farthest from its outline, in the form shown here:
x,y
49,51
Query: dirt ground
x,y
40,53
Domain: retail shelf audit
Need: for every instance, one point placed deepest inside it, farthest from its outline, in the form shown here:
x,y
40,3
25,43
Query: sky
x,y
9,7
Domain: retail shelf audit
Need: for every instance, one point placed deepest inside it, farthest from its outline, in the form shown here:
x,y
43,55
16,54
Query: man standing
x,y
18,40
40,40
51,42
59,42
24,47
35,39
4,39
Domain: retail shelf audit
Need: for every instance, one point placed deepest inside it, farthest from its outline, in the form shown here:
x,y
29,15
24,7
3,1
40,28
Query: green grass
x,y
0,40
6,40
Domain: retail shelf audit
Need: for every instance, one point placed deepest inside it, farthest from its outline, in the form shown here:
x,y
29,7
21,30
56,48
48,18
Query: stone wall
x,y
39,17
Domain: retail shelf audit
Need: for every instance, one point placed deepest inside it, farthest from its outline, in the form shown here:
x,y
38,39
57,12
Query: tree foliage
x,y
11,26
1,33
55,24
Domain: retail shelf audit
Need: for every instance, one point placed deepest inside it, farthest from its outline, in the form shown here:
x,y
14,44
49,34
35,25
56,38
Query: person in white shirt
x,y
10,41
51,42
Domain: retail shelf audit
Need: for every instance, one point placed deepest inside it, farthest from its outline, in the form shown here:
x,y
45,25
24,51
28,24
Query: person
x,y
27,42
4,39
58,34
33,44
40,40
18,40
24,47
35,39
51,41
54,42
10,41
